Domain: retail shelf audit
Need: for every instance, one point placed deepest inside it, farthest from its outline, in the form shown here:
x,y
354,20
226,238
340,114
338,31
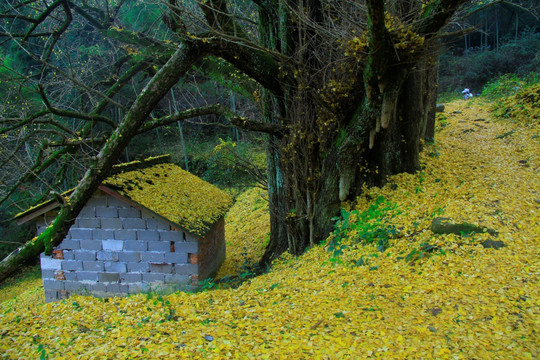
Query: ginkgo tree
x,y
346,89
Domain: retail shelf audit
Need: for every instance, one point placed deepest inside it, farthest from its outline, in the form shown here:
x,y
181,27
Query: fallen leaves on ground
x,y
247,227
459,301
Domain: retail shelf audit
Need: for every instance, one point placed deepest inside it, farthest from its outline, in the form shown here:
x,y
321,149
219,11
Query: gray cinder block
x,y
48,263
138,288
93,266
177,279
91,245
47,274
53,284
156,224
107,256
135,245
73,286
72,265
69,244
148,235
113,245
129,256
186,247
130,277
113,223
87,276
152,278
69,255
97,200
138,267
162,246
129,212
171,236
134,223
87,212
103,234
117,289
108,277
106,212
114,202
85,255
153,257
186,269
125,234
90,223
80,234
71,275
51,295
161,268
119,267
176,258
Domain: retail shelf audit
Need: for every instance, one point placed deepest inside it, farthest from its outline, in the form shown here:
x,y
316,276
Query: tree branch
x,y
73,114
57,33
216,109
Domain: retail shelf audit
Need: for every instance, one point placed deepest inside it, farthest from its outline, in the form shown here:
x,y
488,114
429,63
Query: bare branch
x,y
216,109
73,114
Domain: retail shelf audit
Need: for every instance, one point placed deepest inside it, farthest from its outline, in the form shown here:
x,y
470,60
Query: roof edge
x,y
36,210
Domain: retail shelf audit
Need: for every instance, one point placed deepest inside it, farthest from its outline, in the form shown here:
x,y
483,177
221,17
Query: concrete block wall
x,y
212,250
115,249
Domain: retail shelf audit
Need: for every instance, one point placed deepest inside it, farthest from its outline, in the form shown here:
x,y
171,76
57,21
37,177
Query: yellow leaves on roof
x,y
175,194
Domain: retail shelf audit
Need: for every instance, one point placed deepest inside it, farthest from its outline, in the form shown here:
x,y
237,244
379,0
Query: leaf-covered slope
x,y
452,299
247,226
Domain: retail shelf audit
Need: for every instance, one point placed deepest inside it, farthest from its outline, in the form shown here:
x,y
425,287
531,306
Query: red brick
x,y
58,254
193,259
60,275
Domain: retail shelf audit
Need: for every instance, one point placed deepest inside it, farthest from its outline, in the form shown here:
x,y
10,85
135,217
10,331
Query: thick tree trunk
x,y
302,215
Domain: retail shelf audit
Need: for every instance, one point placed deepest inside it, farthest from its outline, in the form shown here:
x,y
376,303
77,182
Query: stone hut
x,y
150,227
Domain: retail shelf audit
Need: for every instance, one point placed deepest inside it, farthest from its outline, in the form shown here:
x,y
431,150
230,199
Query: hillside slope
x,y
425,296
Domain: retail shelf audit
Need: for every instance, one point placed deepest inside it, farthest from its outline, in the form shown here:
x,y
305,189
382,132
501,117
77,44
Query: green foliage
x,y
13,236
225,74
425,250
476,68
508,84
367,227
522,107
232,164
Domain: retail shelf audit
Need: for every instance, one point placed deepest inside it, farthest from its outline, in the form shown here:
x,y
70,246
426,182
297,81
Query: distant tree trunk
x,y
517,27
497,29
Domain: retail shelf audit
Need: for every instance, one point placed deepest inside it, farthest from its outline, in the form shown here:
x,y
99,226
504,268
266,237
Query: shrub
x,y
524,106
476,68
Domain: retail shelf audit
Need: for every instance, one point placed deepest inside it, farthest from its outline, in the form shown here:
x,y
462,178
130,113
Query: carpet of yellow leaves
x,y
247,226
466,303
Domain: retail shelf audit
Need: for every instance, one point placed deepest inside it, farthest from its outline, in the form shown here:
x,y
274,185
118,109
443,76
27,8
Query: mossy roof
x,y
166,189
174,194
